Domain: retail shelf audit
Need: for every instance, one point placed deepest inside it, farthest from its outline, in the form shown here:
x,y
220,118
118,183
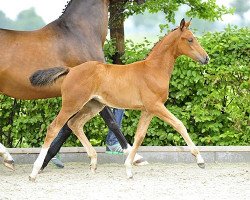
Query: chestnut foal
x,y
141,86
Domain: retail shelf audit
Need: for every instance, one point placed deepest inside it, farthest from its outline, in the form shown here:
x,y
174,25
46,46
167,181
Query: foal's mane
x,y
155,44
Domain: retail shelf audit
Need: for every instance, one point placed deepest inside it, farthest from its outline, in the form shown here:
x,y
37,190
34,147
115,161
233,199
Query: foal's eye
x,y
190,40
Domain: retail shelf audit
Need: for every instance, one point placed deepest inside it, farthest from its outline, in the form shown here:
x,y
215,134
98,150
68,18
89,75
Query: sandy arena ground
x,y
154,182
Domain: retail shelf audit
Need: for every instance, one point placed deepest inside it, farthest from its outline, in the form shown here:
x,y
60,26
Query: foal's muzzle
x,y
204,60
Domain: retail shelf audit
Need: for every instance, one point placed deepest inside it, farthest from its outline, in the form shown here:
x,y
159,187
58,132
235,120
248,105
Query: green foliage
x,y
211,100
135,52
197,8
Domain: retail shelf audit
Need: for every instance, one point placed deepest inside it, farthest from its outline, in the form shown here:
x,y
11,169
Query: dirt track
x,y
155,181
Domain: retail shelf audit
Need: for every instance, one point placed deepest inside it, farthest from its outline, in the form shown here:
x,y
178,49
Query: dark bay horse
x,y
75,37
142,85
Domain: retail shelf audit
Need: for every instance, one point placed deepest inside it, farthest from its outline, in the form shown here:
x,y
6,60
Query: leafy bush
x,y
211,100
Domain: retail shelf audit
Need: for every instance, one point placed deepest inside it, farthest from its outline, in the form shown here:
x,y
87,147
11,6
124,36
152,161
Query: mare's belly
x,y
24,90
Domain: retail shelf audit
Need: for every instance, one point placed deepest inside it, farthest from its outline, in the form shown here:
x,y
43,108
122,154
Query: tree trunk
x,y
116,24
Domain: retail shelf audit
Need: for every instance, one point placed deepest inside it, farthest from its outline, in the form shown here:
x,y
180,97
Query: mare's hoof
x,y
9,164
201,165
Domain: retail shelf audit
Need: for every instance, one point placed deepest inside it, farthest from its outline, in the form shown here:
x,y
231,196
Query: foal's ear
x,y
187,24
182,24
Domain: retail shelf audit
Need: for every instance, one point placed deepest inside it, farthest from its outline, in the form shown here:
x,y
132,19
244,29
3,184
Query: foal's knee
x,y
71,125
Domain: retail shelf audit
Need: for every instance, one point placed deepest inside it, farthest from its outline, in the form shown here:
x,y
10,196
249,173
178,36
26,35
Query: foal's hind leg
x,y
76,124
162,112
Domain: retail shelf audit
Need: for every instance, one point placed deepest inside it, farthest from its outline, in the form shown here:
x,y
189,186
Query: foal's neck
x,y
164,53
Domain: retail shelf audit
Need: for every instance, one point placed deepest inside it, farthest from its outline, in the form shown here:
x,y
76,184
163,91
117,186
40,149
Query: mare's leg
x,y
109,119
162,112
52,131
76,124
139,136
57,143
7,158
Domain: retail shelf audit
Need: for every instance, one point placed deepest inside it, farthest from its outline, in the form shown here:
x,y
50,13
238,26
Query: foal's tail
x,y
47,76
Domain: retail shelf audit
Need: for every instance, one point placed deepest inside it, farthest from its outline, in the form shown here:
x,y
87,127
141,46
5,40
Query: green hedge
x,y
211,100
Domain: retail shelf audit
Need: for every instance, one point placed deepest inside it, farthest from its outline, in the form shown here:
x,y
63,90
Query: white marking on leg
x,y
38,164
136,158
199,159
128,165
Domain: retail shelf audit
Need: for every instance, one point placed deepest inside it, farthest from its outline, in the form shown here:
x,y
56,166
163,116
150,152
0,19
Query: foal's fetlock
x,y
93,164
194,150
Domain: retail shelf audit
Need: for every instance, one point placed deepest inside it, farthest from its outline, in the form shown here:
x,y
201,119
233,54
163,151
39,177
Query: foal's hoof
x,y
129,173
201,165
9,164
32,179
93,168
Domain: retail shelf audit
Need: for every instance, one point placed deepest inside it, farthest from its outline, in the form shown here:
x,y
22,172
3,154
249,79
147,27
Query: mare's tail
x,y
47,76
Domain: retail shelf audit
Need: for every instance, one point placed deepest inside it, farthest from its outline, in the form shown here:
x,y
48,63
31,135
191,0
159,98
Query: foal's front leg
x,y
163,113
139,136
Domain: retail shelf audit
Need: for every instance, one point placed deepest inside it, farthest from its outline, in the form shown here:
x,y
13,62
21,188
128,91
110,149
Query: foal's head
x,y
188,45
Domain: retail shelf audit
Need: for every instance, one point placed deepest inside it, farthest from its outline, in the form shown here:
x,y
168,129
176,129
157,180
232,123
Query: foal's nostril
x,y
206,60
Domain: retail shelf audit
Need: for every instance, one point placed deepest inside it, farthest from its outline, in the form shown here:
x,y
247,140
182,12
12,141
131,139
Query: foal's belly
x,y
119,104
126,99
